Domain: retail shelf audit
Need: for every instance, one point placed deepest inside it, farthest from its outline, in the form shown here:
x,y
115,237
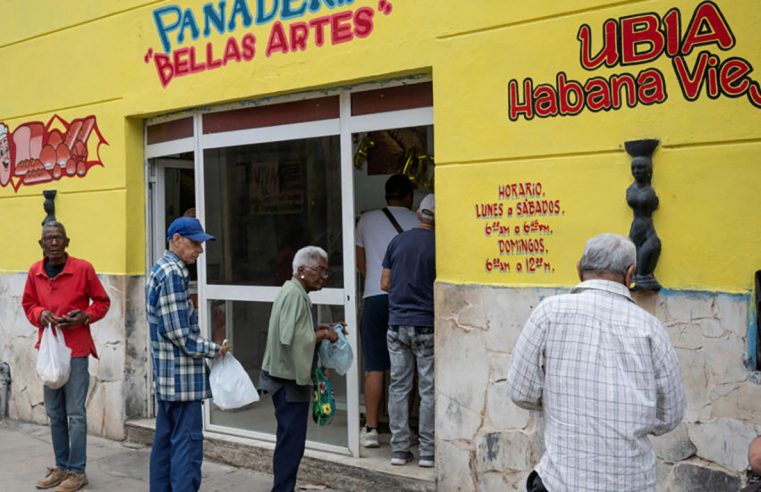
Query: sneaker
x,y
401,458
369,439
74,481
53,478
426,462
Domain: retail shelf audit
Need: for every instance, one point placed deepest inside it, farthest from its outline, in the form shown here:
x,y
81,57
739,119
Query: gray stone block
x,y
456,474
674,446
662,473
502,412
454,421
689,477
462,366
503,451
723,441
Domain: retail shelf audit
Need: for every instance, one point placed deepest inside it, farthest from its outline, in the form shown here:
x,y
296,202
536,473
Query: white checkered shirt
x,y
177,347
605,375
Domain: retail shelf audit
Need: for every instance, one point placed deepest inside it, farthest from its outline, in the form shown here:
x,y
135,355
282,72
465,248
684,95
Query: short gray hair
x,y
50,224
308,256
608,253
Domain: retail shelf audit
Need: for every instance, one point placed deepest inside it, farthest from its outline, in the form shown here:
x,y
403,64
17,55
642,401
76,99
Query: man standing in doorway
x,y
603,372
375,230
409,270
64,292
178,351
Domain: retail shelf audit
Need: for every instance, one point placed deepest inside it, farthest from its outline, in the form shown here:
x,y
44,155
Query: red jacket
x,y
73,288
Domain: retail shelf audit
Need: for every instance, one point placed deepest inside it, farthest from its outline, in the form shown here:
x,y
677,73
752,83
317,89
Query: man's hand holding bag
x,y
53,358
231,388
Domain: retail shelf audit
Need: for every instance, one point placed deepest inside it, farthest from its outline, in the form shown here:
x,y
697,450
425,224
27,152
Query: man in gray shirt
x,y
603,373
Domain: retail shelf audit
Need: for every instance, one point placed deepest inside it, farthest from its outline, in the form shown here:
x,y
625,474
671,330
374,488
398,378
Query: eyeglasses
x,y
320,271
50,239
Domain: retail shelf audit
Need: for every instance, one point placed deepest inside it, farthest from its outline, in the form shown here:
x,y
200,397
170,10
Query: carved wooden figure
x,y
49,206
641,197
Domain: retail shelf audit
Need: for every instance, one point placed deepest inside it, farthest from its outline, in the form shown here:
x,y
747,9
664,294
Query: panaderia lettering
x,y
288,31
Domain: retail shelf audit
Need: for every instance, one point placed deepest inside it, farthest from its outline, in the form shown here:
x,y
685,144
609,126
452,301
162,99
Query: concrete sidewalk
x,y
25,452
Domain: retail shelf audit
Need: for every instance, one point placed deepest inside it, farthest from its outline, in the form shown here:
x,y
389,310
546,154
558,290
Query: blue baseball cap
x,y
190,228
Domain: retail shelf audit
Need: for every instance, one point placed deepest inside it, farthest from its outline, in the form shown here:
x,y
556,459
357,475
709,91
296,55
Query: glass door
x,y
264,202
170,173
267,192
269,178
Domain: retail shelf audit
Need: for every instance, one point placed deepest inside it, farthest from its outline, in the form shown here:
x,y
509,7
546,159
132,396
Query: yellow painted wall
x,y
93,53
88,58
706,170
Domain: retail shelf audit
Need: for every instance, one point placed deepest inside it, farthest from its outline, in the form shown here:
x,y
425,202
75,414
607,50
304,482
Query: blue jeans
x,y
177,451
410,346
65,407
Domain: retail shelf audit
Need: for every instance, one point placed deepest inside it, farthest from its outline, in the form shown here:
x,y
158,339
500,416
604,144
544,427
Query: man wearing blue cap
x,y
178,351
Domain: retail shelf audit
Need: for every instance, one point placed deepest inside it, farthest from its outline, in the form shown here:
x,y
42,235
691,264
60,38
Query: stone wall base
x,y
485,442
117,378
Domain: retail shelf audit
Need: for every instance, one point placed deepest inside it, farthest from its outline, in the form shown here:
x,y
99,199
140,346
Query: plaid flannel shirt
x,y
177,347
605,375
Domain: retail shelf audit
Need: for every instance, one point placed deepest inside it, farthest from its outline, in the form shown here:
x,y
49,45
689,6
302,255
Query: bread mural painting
x,y
37,153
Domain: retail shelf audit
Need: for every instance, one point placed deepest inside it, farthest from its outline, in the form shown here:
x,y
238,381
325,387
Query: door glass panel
x,y
246,324
177,196
180,199
264,202
179,193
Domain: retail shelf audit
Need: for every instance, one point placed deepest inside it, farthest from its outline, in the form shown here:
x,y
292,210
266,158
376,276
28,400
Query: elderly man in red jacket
x,y
64,292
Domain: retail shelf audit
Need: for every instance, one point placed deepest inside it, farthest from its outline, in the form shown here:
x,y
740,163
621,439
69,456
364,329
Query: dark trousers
x,y
534,483
291,438
177,451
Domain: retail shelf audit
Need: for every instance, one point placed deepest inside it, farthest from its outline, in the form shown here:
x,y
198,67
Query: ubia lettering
x,y
646,37
636,40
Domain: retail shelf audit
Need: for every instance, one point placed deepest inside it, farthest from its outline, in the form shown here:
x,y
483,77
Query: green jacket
x,y
291,338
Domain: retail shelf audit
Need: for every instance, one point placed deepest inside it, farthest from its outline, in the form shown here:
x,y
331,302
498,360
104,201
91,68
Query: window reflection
x,y
246,325
264,202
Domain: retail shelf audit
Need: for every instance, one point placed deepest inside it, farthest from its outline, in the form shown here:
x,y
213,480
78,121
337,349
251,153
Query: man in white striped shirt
x,y
603,373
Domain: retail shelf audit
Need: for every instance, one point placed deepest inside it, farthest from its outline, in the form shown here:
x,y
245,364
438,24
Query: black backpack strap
x,y
392,219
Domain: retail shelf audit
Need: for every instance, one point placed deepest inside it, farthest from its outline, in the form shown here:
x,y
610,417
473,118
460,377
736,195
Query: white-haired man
x,y
603,373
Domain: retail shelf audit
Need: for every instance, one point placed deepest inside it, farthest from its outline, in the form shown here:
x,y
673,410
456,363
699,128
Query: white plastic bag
x,y
53,359
336,355
231,387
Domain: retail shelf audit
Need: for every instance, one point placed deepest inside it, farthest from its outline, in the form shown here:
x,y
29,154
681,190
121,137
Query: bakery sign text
x,y
283,27
638,40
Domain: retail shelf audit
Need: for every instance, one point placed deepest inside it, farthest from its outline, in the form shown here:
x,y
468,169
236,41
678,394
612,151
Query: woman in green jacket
x,y
289,358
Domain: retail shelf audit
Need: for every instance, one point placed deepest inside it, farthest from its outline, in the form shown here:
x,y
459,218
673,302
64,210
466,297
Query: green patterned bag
x,y
323,398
